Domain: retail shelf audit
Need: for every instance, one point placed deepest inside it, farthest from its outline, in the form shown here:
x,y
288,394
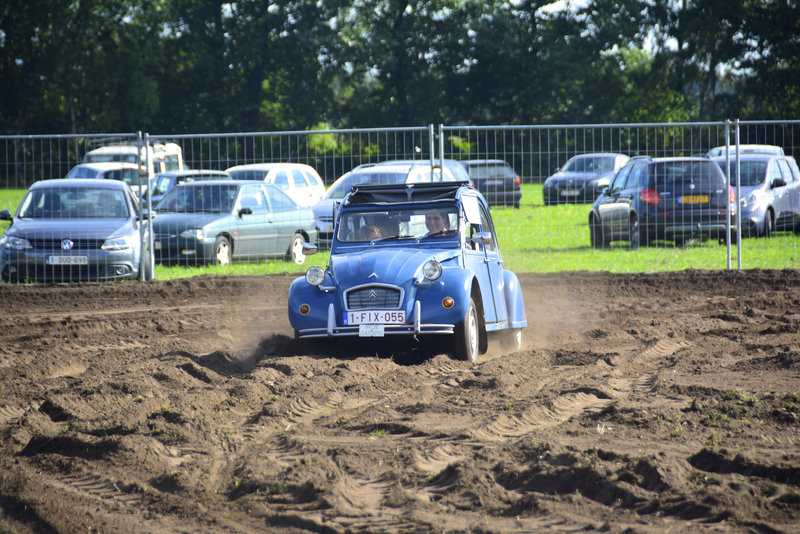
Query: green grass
x,y
539,238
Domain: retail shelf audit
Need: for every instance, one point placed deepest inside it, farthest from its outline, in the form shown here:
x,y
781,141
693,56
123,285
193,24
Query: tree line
x,y
185,66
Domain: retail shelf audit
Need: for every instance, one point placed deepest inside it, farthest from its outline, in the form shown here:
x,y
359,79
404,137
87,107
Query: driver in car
x,y
437,223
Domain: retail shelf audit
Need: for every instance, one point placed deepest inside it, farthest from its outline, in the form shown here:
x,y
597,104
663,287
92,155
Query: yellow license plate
x,y
694,199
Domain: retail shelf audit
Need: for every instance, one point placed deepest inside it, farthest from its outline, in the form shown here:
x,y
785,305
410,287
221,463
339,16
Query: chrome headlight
x,y
118,243
194,233
432,270
15,243
315,275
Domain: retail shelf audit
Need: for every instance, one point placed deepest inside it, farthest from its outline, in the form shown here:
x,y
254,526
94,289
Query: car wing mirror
x,y
484,238
5,215
309,249
245,211
778,182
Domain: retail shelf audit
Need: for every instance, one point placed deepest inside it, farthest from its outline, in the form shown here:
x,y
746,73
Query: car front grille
x,y
77,244
373,297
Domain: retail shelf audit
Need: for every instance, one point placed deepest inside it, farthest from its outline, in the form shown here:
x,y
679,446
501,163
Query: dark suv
x,y
678,199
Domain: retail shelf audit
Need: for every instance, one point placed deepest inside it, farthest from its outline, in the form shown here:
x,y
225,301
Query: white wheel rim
x,y
472,333
223,253
297,251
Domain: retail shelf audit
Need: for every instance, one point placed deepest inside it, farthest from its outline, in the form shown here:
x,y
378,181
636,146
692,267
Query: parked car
x,y
745,149
158,157
678,199
396,172
219,221
456,167
582,178
496,180
111,170
301,182
164,182
770,193
74,230
411,261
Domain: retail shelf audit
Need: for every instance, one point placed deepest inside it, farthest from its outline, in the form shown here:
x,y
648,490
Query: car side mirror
x,y
5,215
484,238
778,182
245,211
309,249
604,189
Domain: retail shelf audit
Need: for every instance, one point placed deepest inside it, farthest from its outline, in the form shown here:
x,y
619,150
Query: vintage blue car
x,y
412,260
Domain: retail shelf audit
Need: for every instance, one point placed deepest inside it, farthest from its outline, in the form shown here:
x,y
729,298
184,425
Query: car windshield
x,y
397,224
596,164
671,174
752,172
108,156
247,174
199,198
74,203
491,171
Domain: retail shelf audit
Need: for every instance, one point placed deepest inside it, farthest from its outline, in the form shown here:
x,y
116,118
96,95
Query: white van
x,y
162,157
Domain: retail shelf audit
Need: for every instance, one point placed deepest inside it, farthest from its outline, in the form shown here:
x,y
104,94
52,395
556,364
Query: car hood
x,y
71,228
177,222
324,207
579,177
384,265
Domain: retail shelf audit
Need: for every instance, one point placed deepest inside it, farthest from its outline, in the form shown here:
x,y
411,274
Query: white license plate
x,y
370,330
375,317
570,193
67,260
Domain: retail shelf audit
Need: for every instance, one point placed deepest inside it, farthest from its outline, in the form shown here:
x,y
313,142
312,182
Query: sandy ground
x,y
641,403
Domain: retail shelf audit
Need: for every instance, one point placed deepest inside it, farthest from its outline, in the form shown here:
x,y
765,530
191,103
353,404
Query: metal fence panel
x,y
536,236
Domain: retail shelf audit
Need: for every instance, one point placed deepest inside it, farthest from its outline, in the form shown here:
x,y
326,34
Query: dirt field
x,y
641,403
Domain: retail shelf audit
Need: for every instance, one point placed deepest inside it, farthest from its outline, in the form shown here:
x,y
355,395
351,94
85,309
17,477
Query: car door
x,y
300,190
613,208
483,259
251,213
285,216
792,198
781,200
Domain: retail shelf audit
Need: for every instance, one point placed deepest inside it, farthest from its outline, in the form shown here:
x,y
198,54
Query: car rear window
x,y
667,175
491,171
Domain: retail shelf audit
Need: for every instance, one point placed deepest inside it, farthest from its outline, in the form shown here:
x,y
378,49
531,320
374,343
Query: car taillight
x,y
731,195
650,196
517,181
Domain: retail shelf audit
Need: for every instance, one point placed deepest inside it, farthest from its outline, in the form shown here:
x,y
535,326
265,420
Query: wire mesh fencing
x,y
615,197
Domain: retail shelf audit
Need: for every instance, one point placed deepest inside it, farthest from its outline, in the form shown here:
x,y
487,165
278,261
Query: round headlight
x,y
432,270
315,275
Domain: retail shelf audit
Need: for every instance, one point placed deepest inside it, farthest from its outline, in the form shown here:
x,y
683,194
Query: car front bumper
x,y
27,265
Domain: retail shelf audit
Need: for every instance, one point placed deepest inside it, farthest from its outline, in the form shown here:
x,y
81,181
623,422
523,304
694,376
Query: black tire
x,y
633,232
295,252
596,234
222,251
467,335
769,224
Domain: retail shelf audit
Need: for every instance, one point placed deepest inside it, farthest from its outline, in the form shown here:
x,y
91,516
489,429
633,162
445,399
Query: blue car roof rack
x,y
398,193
